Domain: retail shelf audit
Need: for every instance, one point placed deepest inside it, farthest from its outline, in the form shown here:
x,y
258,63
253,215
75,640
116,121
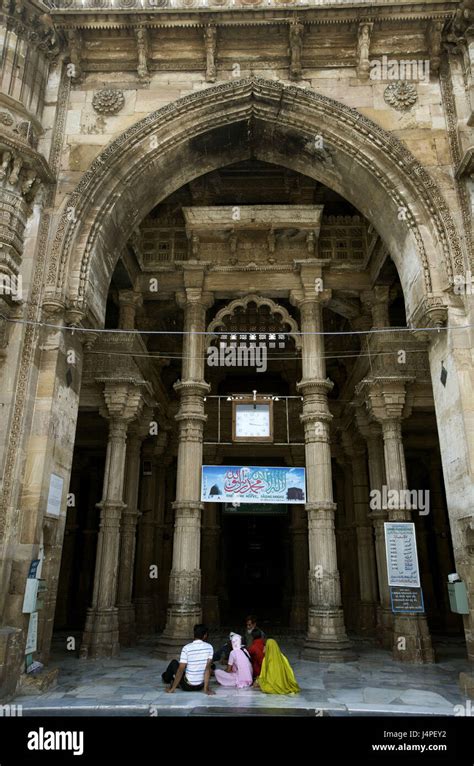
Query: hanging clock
x,y
252,420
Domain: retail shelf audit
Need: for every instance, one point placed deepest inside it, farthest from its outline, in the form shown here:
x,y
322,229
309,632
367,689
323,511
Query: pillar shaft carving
x,y
355,448
373,437
126,611
123,402
184,608
150,526
388,403
326,637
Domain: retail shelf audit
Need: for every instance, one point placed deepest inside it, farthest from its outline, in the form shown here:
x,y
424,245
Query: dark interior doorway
x,y
257,569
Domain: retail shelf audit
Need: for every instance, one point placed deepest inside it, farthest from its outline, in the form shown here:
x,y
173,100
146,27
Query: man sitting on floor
x,y
193,671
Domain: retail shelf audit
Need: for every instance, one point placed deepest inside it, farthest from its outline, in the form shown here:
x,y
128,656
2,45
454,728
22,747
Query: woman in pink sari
x,y
239,668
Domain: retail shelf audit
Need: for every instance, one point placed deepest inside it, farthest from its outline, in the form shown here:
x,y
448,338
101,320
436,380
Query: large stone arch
x,y
272,122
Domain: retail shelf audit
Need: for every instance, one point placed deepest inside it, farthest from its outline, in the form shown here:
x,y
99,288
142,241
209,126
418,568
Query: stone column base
x,y
127,630
144,616
11,660
326,640
101,634
412,639
38,683
384,630
367,618
178,632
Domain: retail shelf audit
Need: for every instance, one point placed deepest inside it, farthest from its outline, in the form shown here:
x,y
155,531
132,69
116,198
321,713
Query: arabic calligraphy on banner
x,y
252,484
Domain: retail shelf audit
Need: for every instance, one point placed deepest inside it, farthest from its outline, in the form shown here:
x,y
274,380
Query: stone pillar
x,y
376,303
129,302
209,551
164,543
184,608
101,635
299,539
373,437
387,404
367,607
128,530
150,523
326,639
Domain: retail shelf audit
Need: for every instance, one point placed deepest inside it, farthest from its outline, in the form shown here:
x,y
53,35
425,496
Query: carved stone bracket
x,y
363,50
74,67
296,34
210,43
141,36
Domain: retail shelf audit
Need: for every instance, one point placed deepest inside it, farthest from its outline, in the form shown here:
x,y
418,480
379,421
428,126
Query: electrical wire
x,y
372,331
179,357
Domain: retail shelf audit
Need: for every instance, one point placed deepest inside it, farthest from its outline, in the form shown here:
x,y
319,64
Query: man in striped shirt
x,y
193,671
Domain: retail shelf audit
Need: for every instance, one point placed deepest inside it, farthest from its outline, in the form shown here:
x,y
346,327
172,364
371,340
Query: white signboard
x,y
31,593
55,495
402,557
31,639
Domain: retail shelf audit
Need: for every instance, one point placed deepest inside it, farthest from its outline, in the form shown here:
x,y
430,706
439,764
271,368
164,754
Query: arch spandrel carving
x,y
140,172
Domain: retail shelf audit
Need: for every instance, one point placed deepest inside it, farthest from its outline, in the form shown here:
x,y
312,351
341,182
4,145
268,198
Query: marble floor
x,y
373,684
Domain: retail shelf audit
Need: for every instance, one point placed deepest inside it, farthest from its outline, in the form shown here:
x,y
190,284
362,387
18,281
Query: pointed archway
x,y
288,125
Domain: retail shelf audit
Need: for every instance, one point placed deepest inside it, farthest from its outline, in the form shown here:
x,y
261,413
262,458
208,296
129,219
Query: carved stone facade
x,y
186,176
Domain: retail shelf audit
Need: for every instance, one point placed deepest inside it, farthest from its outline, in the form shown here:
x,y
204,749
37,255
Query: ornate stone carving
x,y
108,101
275,309
210,41
6,119
401,95
363,48
433,36
395,153
141,36
75,47
296,33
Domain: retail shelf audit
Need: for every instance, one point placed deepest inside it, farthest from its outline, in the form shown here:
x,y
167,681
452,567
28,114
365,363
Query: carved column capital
x,y
386,398
123,400
431,311
129,302
192,297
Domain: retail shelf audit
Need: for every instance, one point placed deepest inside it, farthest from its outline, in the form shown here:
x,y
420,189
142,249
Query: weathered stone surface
x,y
188,177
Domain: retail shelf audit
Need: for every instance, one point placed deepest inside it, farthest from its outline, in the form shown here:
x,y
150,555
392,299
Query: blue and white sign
x,y
252,484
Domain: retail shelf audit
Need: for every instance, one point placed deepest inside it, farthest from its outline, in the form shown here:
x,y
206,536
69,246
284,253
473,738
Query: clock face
x,y
252,421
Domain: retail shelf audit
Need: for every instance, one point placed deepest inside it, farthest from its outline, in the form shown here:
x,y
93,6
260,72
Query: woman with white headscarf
x,y
239,669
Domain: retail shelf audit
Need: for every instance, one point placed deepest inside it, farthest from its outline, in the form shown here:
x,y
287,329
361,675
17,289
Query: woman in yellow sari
x,y
276,676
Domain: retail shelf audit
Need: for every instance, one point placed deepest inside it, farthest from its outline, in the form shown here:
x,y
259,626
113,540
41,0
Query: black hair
x,y
256,633
200,631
